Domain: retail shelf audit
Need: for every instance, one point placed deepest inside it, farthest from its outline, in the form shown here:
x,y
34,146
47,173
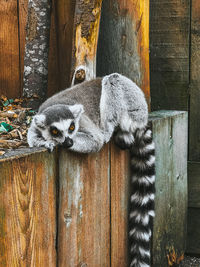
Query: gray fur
x,y
111,103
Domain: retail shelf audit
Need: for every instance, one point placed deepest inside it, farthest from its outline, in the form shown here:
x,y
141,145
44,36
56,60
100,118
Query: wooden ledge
x,y
74,207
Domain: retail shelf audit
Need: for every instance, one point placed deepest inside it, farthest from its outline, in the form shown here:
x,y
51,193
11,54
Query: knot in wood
x,y
80,75
83,264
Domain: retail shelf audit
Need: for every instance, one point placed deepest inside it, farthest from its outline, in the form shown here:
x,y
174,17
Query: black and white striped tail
x,y
142,198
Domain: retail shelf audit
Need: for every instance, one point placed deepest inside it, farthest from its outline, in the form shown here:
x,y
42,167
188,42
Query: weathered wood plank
x,y
194,184
84,209
85,38
194,141
119,206
179,96
170,136
9,49
28,210
22,13
170,64
124,41
169,47
193,231
64,23
53,68
172,78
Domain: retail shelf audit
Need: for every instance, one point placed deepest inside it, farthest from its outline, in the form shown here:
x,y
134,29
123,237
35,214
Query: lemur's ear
x,y
76,110
40,120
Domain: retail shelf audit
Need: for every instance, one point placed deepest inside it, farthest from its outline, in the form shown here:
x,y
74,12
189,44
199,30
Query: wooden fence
x,y
175,83
67,209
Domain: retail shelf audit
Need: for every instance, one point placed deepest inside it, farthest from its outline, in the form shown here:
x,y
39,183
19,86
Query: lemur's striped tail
x,y
142,198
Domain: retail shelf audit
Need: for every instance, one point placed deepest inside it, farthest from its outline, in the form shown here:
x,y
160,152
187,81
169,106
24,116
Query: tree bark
x,y
36,52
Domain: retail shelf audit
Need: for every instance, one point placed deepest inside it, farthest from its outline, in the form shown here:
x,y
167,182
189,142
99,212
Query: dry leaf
x,y
2,152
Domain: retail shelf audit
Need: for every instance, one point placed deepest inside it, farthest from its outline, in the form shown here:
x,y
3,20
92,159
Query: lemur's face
x,y
58,124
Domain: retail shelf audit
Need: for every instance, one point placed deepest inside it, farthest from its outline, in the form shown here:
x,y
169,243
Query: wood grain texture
x,y
9,49
28,211
194,184
84,209
169,54
119,206
124,41
53,67
170,136
64,23
22,13
193,233
194,141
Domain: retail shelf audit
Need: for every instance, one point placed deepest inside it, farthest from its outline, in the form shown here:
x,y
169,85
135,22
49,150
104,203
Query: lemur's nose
x,y
68,142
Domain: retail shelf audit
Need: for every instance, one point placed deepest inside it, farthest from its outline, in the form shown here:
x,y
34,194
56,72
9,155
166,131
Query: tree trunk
x,y
36,52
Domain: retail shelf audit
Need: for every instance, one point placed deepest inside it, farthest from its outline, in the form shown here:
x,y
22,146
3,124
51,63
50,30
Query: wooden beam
x,y
193,243
120,179
64,27
194,184
169,235
9,49
54,74
193,232
124,41
22,17
169,54
84,209
194,148
85,38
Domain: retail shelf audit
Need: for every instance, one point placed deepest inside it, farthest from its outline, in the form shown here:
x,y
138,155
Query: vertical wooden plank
x,y
193,233
119,206
124,41
169,57
23,11
28,210
53,68
9,49
194,185
84,209
194,141
64,21
169,235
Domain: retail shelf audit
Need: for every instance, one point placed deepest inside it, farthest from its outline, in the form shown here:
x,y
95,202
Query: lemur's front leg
x,y
35,139
86,143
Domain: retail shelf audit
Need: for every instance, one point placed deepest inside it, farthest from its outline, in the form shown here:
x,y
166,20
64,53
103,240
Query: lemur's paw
x,y
50,147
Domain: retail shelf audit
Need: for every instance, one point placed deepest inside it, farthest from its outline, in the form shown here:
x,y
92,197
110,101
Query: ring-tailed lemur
x,y
83,118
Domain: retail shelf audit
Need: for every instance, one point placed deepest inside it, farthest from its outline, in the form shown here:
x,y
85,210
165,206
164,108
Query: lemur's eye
x,y
71,127
54,131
